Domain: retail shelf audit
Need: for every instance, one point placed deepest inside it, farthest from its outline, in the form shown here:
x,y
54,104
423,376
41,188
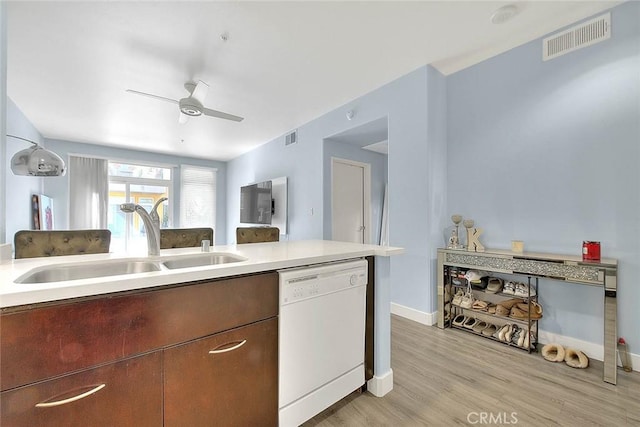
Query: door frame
x,y
366,199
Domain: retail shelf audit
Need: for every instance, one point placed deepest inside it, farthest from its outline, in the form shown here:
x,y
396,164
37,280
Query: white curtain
x,y
88,192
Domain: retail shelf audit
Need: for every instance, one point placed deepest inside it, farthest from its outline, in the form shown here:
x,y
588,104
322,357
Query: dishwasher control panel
x,y
304,283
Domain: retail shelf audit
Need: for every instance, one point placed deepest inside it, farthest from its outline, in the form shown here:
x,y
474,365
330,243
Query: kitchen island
x,y
61,338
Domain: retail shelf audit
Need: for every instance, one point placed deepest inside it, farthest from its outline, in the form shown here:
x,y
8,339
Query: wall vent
x,y
577,37
291,137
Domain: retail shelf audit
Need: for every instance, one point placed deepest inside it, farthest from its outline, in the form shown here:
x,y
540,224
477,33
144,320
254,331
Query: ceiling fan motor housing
x,y
190,107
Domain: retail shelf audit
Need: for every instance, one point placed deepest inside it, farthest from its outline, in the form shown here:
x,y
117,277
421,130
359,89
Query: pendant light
x,y
36,161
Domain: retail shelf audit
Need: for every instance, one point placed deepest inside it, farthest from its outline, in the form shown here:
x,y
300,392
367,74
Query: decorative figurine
x,y
454,238
473,235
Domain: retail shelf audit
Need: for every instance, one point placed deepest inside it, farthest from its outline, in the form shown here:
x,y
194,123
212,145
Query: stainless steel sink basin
x,y
88,271
200,260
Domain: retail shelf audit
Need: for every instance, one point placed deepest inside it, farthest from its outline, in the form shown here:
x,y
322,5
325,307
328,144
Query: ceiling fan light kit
x,y
192,105
36,161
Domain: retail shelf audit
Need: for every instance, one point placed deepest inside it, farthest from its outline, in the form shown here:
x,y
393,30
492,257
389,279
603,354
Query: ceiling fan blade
x,y
221,115
162,98
183,118
200,91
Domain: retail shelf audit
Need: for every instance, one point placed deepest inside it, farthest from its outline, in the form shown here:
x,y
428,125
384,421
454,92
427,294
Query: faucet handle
x,y
154,210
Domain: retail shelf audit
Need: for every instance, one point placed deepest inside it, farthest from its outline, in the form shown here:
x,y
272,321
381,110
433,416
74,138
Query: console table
x,y
566,268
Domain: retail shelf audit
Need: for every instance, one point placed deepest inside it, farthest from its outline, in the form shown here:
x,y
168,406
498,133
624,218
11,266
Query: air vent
x,y
291,138
583,35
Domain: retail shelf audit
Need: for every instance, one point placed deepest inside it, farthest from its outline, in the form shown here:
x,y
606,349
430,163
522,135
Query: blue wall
x,y
548,153
416,175
378,164
58,188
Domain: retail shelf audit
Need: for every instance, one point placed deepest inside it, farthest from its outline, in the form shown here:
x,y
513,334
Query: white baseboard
x,y
428,319
381,385
592,350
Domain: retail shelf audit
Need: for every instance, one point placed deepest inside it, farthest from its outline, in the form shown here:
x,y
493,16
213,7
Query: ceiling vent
x,y
291,138
577,37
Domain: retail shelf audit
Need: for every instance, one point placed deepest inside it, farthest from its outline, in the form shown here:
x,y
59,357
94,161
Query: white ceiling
x,y
284,63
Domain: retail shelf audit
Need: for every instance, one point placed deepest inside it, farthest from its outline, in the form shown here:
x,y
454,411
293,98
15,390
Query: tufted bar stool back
x,y
34,243
184,237
257,234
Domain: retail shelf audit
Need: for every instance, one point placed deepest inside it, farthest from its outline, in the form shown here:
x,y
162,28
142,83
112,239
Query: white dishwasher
x,y
321,337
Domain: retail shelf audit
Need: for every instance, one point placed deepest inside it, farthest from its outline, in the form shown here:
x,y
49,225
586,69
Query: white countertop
x,y
260,257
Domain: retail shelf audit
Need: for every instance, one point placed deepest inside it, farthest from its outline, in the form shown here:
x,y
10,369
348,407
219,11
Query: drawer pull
x,y
224,350
71,399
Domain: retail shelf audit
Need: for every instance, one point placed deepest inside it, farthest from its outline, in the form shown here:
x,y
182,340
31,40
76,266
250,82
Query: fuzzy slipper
x,y
553,352
576,358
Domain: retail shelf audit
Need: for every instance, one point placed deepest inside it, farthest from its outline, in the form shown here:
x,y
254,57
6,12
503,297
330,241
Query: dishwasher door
x,y
322,333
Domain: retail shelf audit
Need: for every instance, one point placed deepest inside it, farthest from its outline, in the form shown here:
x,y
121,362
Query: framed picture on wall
x,y
35,212
42,212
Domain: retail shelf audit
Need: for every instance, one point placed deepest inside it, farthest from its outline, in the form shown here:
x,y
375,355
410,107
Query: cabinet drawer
x,y
42,342
131,396
238,386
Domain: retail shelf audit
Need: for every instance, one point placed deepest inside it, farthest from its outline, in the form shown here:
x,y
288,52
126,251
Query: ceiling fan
x,y
192,104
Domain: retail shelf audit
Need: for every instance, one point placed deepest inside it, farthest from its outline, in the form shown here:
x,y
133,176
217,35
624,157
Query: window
x,y
141,184
197,196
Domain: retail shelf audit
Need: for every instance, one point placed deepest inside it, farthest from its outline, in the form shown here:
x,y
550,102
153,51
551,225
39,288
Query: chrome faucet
x,y
151,224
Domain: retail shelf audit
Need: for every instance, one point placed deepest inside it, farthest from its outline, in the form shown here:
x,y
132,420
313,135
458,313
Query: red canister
x,y
590,251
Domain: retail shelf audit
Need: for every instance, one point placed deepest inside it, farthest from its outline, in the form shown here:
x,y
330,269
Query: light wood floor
x,y
449,377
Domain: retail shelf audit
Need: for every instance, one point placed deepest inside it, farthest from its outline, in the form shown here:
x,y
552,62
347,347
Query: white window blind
x,y
197,196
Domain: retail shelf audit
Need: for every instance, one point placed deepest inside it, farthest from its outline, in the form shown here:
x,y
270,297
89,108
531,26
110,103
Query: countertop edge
x,y
261,257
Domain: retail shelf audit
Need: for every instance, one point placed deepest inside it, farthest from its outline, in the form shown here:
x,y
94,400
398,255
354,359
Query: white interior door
x,y
350,201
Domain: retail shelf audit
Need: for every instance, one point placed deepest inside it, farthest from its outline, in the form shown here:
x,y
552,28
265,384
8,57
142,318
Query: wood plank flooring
x,y
450,377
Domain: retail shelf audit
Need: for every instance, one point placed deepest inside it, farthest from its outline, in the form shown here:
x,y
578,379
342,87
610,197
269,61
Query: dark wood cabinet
x,y
125,393
55,351
228,379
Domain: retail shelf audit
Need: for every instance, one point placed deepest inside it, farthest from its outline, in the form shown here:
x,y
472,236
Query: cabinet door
x,y
227,379
127,393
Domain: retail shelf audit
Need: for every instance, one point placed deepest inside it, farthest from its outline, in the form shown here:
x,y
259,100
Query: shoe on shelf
x,y
480,305
503,332
480,326
509,288
459,319
470,322
491,309
457,298
509,333
510,302
516,333
490,330
524,290
523,334
467,300
502,310
532,307
494,286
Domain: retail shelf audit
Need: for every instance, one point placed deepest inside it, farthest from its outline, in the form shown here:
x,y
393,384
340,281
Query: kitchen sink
x,y
88,270
200,260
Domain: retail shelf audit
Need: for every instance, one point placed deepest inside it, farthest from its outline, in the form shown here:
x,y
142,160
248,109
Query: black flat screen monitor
x,y
255,203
